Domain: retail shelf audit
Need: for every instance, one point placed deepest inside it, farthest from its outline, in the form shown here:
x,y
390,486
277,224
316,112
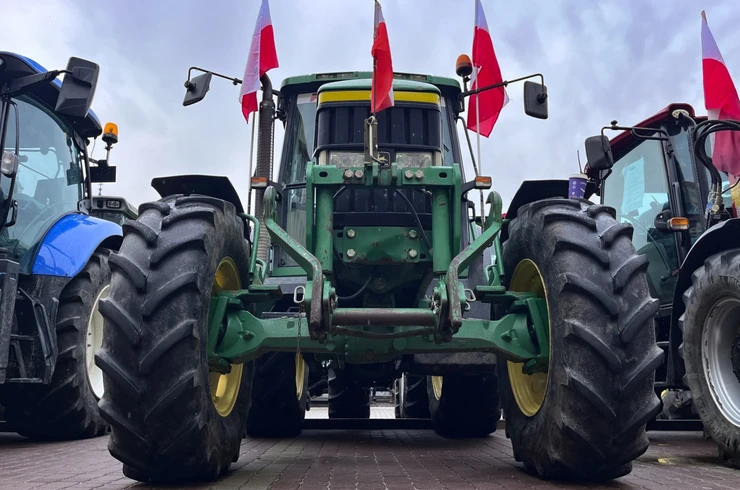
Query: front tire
x,y
67,408
711,349
464,405
347,399
279,396
172,419
585,418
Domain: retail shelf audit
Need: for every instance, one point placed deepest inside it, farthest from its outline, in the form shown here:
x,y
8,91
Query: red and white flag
x,y
262,57
721,101
381,96
484,107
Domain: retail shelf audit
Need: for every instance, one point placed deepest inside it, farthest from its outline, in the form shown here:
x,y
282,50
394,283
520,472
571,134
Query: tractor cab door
x,y
639,190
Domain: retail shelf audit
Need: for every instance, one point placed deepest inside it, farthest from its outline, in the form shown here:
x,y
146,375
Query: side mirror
x,y
535,100
599,153
78,88
9,164
197,88
661,220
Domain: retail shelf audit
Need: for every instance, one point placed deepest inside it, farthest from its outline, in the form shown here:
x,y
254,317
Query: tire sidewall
x,y
706,290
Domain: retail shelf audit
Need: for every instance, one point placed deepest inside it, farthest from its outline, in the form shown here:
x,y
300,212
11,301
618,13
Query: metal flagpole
x,y
477,137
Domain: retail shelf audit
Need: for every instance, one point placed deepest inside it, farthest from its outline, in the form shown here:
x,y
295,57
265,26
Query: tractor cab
x,y
324,117
45,127
659,188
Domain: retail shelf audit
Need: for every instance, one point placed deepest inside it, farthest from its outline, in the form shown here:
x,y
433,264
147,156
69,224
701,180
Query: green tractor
x,y
660,178
362,258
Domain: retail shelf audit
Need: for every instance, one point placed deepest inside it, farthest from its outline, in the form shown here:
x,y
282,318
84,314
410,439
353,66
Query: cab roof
x,y
16,66
366,84
316,80
625,139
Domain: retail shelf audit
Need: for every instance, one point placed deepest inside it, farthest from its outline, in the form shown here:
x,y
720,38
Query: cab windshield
x,y
638,190
49,180
298,150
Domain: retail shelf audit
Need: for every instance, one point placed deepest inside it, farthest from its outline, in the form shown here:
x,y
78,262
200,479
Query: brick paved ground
x,y
370,460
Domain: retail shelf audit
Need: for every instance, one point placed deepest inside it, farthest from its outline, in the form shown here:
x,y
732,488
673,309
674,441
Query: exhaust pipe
x,y
263,168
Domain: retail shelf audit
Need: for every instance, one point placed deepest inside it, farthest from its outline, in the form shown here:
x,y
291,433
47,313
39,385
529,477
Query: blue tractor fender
x,y
71,241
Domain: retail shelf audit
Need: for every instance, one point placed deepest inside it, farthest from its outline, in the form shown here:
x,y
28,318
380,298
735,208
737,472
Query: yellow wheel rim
x,y
437,386
528,389
225,387
300,375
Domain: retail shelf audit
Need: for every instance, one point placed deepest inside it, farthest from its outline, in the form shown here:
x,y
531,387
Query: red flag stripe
x,y
382,82
721,101
486,105
262,57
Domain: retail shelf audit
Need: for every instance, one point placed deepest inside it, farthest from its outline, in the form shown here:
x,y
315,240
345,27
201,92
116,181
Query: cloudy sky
x,y
602,60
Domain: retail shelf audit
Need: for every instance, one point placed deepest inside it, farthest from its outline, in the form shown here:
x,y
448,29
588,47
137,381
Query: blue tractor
x,y
54,255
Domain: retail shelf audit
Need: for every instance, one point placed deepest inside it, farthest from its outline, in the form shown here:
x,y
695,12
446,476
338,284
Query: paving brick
x,y
364,460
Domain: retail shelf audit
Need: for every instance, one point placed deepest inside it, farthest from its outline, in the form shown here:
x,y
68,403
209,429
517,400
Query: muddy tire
x,y
711,349
589,420
464,405
347,400
278,410
166,424
412,401
67,408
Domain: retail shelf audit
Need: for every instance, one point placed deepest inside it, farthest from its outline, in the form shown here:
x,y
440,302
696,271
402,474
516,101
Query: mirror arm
x,y
633,131
23,84
233,80
540,98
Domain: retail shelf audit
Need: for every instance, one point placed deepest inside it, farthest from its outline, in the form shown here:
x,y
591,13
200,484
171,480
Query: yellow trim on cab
x,y
364,96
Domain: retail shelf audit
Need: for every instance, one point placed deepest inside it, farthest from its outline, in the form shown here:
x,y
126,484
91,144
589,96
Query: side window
x,y
448,156
50,170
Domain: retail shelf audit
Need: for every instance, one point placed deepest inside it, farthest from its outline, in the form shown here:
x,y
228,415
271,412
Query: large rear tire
x,y
347,399
464,405
279,396
585,418
711,349
67,408
171,418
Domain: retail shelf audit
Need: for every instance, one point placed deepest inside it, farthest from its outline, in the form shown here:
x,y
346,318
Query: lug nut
x,y
419,174
413,234
408,174
359,174
348,174
413,253
351,253
350,233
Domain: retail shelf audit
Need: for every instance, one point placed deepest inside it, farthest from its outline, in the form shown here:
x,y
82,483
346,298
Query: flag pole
x,y
477,137
373,92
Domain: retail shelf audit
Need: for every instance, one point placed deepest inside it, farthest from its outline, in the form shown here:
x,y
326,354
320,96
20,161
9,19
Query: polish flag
x,y
484,106
382,83
721,101
262,57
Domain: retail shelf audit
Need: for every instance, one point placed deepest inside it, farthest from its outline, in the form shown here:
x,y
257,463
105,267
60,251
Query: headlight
x,y
345,159
414,159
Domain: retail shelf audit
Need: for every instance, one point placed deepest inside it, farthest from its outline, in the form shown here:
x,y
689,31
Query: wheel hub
x,y
93,342
225,387
721,357
528,389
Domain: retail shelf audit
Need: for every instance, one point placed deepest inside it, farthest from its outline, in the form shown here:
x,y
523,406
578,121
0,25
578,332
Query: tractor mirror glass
x,y
535,100
197,88
599,153
9,164
78,88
